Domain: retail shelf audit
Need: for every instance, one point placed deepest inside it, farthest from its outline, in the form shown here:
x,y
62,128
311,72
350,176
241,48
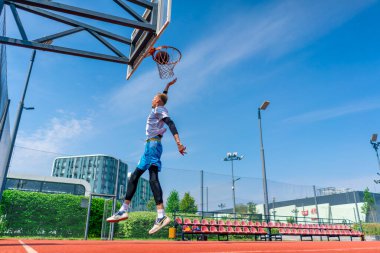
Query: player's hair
x,y
163,97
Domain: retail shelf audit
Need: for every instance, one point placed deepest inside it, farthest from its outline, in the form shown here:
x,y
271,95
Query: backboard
x,y
143,41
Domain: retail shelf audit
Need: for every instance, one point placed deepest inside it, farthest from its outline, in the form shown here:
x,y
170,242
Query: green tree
x,y
172,203
290,219
187,204
369,203
252,208
151,205
241,208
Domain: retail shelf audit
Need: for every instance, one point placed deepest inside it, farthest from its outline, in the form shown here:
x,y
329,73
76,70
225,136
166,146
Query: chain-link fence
x,y
286,202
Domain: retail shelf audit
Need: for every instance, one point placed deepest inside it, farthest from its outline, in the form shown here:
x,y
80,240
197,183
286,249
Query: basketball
x,y
162,57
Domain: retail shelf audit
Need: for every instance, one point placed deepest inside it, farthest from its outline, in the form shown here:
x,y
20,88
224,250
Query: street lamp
x,y
375,145
265,188
231,157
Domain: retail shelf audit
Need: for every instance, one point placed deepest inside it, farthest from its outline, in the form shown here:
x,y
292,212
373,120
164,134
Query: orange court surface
x,y
77,246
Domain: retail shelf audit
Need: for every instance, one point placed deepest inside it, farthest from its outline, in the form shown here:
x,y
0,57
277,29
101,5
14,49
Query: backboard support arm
x,y
44,9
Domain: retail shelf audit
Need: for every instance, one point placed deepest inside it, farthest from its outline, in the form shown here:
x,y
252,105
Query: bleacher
x,y
260,230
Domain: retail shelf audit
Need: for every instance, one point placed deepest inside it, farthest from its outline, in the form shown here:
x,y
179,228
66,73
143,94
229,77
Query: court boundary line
x,y
27,248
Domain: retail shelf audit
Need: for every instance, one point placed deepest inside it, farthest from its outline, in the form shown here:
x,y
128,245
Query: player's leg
x,y
143,165
162,220
122,214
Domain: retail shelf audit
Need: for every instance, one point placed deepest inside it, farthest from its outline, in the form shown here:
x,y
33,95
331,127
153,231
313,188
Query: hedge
x,y
138,225
42,214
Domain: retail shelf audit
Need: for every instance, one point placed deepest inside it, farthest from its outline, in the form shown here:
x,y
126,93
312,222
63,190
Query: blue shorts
x,y
151,156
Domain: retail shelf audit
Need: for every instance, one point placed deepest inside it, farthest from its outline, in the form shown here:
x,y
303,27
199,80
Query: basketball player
x,y
150,160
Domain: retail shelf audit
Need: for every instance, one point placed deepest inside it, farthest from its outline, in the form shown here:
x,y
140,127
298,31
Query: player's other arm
x,y
168,86
181,148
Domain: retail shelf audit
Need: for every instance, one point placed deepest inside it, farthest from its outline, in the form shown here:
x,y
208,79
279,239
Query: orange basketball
x,y
162,57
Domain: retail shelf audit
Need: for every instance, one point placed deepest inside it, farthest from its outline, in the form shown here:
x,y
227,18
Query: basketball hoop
x,y
166,58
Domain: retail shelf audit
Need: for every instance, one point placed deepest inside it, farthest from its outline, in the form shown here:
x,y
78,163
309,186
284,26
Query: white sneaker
x,y
160,223
118,216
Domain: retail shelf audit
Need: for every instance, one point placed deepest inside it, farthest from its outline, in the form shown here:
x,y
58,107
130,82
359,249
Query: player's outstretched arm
x,y
168,85
173,130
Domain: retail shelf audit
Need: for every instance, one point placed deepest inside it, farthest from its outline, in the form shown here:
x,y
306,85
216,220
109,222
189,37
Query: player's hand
x,y
151,51
181,149
172,82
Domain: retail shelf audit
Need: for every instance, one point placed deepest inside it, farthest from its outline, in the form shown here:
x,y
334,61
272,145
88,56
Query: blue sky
x,y
317,62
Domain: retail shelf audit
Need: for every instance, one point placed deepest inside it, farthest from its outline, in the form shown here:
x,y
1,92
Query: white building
x,y
332,206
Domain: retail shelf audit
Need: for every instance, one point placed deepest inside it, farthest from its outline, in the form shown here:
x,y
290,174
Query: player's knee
x,y
154,183
135,176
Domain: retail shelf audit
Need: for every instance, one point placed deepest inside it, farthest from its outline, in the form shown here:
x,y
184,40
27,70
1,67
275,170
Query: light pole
x,y
375,145
265,187
231,157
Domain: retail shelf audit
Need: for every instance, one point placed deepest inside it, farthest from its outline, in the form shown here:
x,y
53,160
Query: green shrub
x,y
2,225
138,225
42,214
369,228
33,213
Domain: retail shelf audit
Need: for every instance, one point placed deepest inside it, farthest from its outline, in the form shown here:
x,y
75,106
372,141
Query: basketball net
x,y
166,59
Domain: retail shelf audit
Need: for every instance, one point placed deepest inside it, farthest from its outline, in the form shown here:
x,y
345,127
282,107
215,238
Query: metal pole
x,y
233,185
202,192
116,188
356,219
2,6
378,159
316,207
357,211
374,211
88,218
207,198
265,188
4,117
316,203
274,209
103,231
17,123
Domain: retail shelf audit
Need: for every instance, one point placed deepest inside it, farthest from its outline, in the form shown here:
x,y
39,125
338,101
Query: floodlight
x,y
374,138
264,105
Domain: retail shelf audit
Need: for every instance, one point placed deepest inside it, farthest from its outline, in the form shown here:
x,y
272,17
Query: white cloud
x,y
330,113
55,138
264,33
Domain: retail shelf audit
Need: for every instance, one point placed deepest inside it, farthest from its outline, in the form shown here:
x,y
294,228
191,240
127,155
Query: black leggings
x,y
153,181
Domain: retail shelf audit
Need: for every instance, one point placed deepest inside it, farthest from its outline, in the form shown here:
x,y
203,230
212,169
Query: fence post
x,y
88,217
116,188
316,206
202,193
357,211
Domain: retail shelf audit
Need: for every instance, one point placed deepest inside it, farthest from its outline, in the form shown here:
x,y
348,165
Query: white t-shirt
x,y
154,123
